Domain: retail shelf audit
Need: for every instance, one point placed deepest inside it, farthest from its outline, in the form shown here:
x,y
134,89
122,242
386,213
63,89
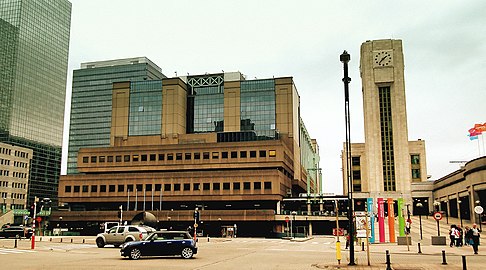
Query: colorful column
x,y
372,219
401,219
391,220
381,219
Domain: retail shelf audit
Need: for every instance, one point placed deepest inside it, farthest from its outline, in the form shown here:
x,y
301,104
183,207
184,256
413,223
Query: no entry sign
x,y
437,216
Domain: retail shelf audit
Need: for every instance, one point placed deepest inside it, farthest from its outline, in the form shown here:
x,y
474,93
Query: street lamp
x,y
479,216
291,224
447,211
437,204
419,206
344,58
460,208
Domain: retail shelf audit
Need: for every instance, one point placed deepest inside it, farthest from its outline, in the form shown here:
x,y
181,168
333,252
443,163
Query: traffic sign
x,y
287,219
437,216
478,210
195,225
38,219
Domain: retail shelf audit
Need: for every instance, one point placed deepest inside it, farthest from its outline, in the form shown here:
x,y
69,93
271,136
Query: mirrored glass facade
x,y
34,47
91,103
145,116
258,107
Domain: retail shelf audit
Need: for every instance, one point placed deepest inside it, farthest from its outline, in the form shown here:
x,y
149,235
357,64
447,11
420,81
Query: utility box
x,y
402,240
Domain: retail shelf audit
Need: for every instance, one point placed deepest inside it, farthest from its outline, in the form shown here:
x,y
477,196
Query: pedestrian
x,y
347,241
475,237
452,235
408,224
459,236
467,236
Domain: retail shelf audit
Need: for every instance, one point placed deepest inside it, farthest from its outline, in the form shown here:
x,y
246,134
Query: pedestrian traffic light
x,y
31,211
196,216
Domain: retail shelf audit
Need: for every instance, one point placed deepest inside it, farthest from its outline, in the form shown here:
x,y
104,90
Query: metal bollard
x,y
71,240
388,263
443,257
464,266
419,249
61,240
15,245
83,240
208,237
362,246
50,239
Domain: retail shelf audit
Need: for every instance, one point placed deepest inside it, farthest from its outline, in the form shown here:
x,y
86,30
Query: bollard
x,y
388,263
419,249
83,240
443,257
464,266
61,240
362,246
15,245
40,240
71,240
50,239
208,237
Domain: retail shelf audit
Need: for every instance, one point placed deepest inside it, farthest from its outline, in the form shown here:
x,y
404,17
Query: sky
x,y
444,45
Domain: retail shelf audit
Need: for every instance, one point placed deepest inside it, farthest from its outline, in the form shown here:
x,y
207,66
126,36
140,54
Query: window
x,y
267,185
130,188
118,159
135,158
139,187
126,158
215,155
167,187
152,157
252,154
177,187
216,186
170,156
206,186
67,189
102,188
109,159
224,154
247,185
234,154
85,159
94,188
178,156
356,175
236,186
415,173
206,155
111,188
355,161
196,186
102,159
148,187
121,188
161,157
85,188
187,186
263,153
76,188
226,186
197,155
158,187
415,159
187,156
272,153
257,185
143,157
243,154
93,159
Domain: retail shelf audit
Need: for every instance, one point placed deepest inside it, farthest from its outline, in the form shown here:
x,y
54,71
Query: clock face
x,y
382,59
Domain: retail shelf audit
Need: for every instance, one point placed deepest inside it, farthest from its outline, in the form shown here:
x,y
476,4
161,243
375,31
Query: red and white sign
x,y
437,216
287,219
38,219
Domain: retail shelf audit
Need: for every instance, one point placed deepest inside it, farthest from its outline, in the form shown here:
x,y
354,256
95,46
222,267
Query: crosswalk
x,y
5,251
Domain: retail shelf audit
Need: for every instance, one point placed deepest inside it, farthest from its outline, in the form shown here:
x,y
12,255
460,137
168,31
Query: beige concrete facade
x,y
14,176
384,162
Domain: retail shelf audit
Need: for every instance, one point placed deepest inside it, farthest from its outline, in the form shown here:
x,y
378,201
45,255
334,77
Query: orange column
x,y
391,220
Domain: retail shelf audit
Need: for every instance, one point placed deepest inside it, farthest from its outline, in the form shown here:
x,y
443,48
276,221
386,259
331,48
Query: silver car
x,y
122,234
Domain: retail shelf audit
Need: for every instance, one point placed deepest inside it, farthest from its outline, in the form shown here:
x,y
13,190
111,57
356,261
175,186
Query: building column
x,y
310,228
278,208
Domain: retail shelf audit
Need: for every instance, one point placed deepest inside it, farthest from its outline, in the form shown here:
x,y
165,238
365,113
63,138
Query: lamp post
x,y
344,58
447,211
291,224
437,204
478,202
419,206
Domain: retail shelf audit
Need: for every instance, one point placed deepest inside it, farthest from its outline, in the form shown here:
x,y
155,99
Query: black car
x,y
161,243
12,231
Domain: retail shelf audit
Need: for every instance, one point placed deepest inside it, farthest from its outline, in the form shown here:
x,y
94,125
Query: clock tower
x,y
387,163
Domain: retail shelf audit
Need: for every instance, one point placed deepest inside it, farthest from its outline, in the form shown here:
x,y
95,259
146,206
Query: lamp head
x,y
345,57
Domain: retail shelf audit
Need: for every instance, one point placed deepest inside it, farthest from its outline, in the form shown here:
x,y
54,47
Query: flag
x,y
473,137
480,127
474,132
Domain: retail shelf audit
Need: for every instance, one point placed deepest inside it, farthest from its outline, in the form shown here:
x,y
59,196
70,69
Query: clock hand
x,y
382,59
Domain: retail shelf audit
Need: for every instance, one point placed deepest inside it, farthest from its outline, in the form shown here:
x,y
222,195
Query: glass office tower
x,y
91,100
34,49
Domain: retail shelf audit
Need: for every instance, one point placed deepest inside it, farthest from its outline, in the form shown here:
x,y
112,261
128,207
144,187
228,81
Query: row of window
x,y
4,173
5,151
169,187
179,156
20,164
18,196
4,161
21,154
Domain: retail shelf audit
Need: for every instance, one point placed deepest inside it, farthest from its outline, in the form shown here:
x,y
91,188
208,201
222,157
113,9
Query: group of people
x,y
467,237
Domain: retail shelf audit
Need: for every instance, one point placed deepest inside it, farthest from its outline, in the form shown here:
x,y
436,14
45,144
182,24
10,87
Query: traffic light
x,y
31,211
196,216
119,213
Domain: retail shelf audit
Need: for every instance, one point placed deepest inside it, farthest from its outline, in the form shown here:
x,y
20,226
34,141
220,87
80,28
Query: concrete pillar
x,y
310,228
321,206
308,207
278,208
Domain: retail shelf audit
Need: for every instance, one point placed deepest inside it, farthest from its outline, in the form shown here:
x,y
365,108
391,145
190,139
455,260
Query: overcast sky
x,y
444,48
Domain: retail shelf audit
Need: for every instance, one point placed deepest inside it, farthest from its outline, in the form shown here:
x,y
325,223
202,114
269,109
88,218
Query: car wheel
x,y
100,242
187,253
17,236
135,254
116,245
128,240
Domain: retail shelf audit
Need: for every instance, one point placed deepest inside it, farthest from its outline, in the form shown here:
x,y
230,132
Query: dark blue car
x,y
161,243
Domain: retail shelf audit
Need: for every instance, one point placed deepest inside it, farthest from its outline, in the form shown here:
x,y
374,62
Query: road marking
x,y
4,251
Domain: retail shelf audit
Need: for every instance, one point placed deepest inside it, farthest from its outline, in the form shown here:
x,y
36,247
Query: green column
x,y
401,219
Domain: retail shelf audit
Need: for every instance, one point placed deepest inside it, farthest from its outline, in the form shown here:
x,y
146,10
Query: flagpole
x,y
128,200
152,191
144,199
136,199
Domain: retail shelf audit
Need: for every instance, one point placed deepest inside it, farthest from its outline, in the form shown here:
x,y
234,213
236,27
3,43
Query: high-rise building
x,y
387,163
34,48
231,147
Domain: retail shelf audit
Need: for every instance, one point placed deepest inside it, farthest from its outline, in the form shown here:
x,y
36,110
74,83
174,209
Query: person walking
x,y
452,235
475,237
459,236
467,236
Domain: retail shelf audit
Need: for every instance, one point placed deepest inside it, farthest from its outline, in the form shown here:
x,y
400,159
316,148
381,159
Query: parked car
x,y
161,243
13,231
120,234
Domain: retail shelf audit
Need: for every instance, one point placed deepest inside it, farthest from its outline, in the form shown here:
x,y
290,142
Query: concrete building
x,y
34,49
231,147
387,164
14,176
